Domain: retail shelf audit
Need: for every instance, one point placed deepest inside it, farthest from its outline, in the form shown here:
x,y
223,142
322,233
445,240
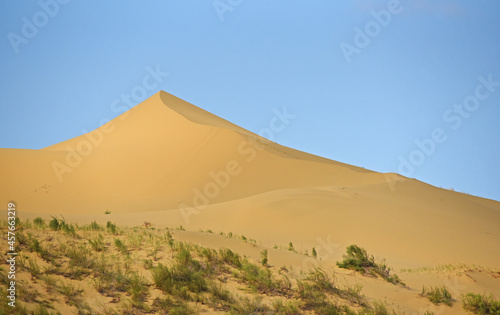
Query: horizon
x,y
406,87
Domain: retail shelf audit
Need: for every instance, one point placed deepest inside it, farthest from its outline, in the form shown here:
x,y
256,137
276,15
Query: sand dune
x,y
171,163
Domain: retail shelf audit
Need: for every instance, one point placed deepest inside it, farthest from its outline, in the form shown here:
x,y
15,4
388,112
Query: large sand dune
x,y
170,163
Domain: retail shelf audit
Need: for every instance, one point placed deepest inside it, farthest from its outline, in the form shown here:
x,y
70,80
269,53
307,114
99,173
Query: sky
x,y
409,86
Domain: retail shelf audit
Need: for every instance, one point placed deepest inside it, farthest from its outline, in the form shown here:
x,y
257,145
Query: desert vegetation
x,y
97,268
356,258
481,304
438,295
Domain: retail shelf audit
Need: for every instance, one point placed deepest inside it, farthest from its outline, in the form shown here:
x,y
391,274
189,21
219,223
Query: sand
x,y
171,163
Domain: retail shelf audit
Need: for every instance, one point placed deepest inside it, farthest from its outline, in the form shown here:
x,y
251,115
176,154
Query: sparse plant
x,y
480,304
54,224
71,293
94,226
438,295
184,276
379,308
111,227
285,307
68,229
263,256
121,247
356,258
39,222
98,243
33,268
314,254
220,298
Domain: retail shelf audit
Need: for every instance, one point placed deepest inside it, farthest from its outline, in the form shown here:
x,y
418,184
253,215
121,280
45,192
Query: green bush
x,y
94,226
39,222
54,224
258,278
111,227
263,256
481,304
184,276
231,258
356,258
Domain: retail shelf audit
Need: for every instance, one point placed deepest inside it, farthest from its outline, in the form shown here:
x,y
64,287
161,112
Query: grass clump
x,y
72,294
263,256
231,258
54,224
481,304
184,276
111,227
261,279
98,243
220,298
39,222
94,226
438,295
121,247
356,258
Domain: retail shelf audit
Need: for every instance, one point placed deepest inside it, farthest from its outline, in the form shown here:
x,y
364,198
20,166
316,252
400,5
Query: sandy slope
x,y
170,163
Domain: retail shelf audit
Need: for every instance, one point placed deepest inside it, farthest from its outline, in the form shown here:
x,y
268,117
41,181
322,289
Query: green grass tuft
x,y
438,295
481,304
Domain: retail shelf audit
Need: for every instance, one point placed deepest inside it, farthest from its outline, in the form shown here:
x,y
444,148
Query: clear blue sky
x,y
365,79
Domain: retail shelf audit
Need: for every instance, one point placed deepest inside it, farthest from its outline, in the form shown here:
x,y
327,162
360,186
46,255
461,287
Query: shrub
x,y
290,247
68,229
481,304
98,243
54,224
220,297
80,257
121,247
356,258
137,289
229,257
321,280
438,295
111,227
251,306
263,256
314,254
287,308
259,279
39,222
94,226
184,276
